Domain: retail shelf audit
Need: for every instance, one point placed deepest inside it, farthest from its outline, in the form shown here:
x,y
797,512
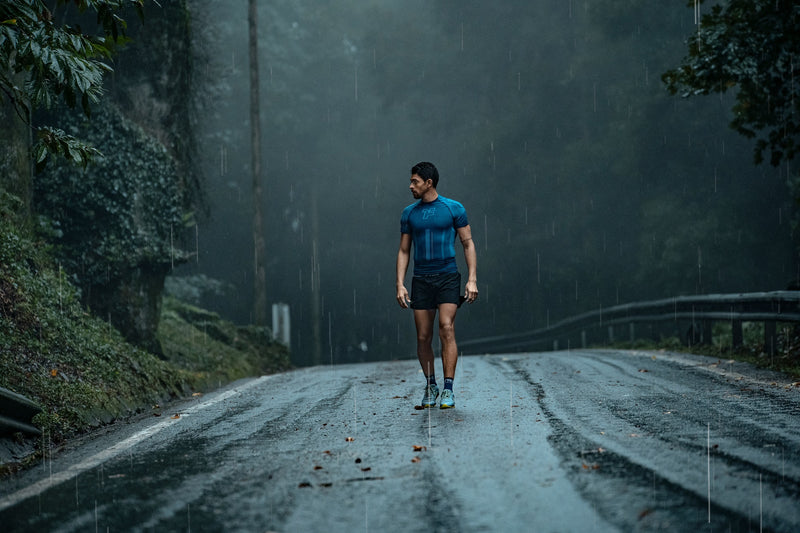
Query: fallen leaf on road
x,y
358,460
416,460
366,469
175,416
54,372
326,484
418,407
317,467
643,370
349,439
303,485
419,448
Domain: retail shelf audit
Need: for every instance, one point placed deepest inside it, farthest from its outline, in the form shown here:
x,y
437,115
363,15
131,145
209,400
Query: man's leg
x,y
423,318
447,335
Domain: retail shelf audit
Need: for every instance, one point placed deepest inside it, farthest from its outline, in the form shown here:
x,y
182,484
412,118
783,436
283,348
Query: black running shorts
x,y
427,292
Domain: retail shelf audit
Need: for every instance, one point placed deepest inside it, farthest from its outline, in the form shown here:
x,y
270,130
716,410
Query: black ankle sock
x,y
448,383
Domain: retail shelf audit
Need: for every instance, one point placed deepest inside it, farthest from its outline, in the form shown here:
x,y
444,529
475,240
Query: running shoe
x,y
448,400
431,393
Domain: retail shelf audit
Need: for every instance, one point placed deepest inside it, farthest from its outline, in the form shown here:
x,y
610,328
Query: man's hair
x,y
426,171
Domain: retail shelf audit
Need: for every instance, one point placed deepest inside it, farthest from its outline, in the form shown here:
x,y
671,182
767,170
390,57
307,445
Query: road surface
x,y
559,441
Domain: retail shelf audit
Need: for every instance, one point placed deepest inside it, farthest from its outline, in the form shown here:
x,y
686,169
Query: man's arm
x,y
465,234
403,257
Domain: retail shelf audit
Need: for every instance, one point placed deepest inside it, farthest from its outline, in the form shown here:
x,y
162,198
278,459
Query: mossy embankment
x,y
82,372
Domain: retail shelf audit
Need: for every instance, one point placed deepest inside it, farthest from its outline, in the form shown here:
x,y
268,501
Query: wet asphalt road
x,y
561,441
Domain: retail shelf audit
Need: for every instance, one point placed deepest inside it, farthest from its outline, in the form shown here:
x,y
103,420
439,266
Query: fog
x,y
586,184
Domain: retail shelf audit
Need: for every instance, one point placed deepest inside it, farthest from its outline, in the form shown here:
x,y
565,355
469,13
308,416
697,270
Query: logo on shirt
x,y
428,213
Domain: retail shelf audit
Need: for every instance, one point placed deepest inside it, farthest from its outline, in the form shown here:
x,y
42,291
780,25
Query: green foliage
x,y
121,212
192,289
213,350
79,368
751,45
42,63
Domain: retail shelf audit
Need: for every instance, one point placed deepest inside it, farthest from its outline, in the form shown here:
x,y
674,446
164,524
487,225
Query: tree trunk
x,y
316,328
15,164
259,272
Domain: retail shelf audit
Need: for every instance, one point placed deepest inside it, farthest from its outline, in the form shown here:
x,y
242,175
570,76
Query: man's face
x,y
419,186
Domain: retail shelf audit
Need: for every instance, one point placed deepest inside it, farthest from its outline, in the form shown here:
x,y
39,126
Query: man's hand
x,y
471,291
402,296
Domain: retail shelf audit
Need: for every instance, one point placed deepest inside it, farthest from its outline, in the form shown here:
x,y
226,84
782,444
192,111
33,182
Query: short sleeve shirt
x,y
432,227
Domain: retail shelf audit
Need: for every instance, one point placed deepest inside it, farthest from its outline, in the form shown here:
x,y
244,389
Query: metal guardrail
x,y
690,318
16,413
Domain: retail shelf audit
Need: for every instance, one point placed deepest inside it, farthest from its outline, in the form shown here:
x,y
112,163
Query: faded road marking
x,y
87,464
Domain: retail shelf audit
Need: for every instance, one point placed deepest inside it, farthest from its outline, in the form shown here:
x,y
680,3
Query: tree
x,y
752,45
260,275
42,62
120,224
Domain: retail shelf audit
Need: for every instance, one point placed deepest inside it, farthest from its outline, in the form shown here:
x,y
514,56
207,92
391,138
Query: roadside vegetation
x,y
784,358
80,369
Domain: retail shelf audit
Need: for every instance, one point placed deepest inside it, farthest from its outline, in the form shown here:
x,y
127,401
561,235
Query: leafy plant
x,y
42,63
752,46
118,213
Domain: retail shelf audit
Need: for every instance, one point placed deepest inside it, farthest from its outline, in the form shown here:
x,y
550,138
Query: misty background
x,y
586,184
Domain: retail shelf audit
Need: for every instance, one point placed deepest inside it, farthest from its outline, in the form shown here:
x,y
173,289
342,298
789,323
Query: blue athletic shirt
x,y
432,227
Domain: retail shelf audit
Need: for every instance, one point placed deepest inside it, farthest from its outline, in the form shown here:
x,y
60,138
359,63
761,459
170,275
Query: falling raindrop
x,y
485,232
330,337
356,82
511,411
708,469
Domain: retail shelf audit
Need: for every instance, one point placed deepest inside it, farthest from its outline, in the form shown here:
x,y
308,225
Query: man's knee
x,y
447,331
424,338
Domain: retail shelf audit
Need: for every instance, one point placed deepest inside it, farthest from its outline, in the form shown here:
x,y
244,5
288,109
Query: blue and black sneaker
x,y
448,399
431,393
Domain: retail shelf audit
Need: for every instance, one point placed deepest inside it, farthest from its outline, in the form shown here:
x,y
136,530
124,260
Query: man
x,y
431,224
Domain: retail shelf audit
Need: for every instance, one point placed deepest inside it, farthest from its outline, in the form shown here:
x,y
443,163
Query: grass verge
x,y
82,372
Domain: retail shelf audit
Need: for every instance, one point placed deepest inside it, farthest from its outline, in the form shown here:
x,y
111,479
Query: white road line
x,y
40,486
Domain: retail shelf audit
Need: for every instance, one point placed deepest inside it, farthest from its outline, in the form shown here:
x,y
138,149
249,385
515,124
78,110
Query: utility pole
x,y
259,246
